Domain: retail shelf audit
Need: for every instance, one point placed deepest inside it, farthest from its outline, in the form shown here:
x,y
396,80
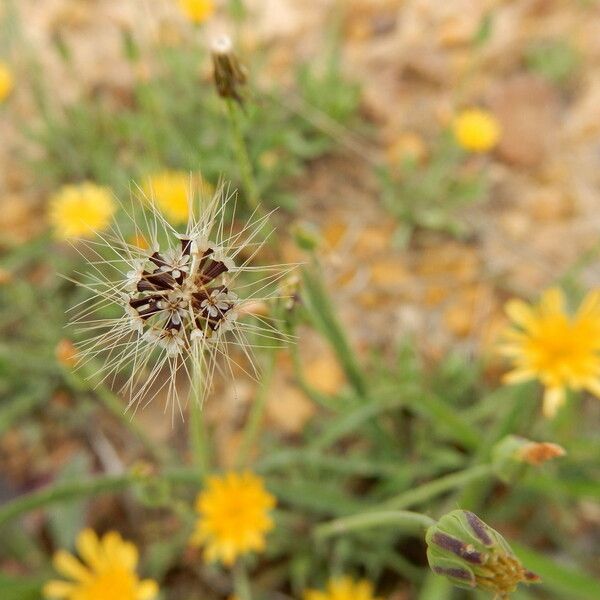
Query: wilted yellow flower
x,y
172,192
107,571
197,11
562,351
80,210
234,516
6,81
476,130
343,588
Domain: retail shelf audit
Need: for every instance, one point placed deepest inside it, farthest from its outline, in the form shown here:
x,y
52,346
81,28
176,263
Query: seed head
x,y
178,299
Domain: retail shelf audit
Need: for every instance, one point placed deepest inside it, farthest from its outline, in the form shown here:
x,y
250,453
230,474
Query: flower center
x,y
562,345
176,297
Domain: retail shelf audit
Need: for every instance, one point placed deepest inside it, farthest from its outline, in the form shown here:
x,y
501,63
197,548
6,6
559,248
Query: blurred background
x,y
421,234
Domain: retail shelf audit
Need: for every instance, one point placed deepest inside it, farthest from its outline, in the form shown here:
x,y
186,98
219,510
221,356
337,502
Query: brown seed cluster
x,y
178,295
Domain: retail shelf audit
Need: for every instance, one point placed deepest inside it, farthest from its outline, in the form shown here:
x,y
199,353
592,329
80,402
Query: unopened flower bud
x,y
537,453
229,74
461,547
513,454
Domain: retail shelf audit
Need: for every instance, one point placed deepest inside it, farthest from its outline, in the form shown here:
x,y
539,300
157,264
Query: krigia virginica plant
x,y
180,299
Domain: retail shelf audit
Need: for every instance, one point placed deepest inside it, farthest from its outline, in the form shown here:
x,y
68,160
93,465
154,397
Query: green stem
x,y
256,416
323,316
241,153
434,488
197,432
70,490
516,412
241,581
436,587
405,521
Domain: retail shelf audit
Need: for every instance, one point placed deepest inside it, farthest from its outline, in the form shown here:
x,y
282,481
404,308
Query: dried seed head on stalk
x,y
229,73
179,299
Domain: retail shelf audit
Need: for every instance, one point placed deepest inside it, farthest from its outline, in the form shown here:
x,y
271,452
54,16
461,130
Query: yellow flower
x,y
106,572
173,192
80,210
197,11
344,588
476,130
6,81
561,350
234,516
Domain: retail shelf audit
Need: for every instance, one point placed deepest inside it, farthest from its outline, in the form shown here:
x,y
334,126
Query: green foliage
x,y
174,119
555,60
430,194
14,588
401,436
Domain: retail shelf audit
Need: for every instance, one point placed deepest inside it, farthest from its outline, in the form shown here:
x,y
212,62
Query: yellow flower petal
x,y
68,565
593,386
554,398
520,313
590,305
553,301
58,589
147,590
111,575
518,376
89,549
6,81
343,588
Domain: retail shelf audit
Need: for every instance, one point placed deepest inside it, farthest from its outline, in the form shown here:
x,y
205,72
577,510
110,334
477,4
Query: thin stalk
x,y
241,581
242,155
436,587
324,317
430,490
402,520
256,416
517,411
69,490
197,431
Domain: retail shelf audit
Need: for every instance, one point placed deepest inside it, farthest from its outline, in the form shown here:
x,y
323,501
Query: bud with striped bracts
x,y
461,547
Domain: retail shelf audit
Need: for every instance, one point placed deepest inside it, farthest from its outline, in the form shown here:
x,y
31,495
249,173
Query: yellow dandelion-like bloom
x,y
197,11
172,192
343,588
106,571
476,130
234,516
6,81
561,350
80,210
